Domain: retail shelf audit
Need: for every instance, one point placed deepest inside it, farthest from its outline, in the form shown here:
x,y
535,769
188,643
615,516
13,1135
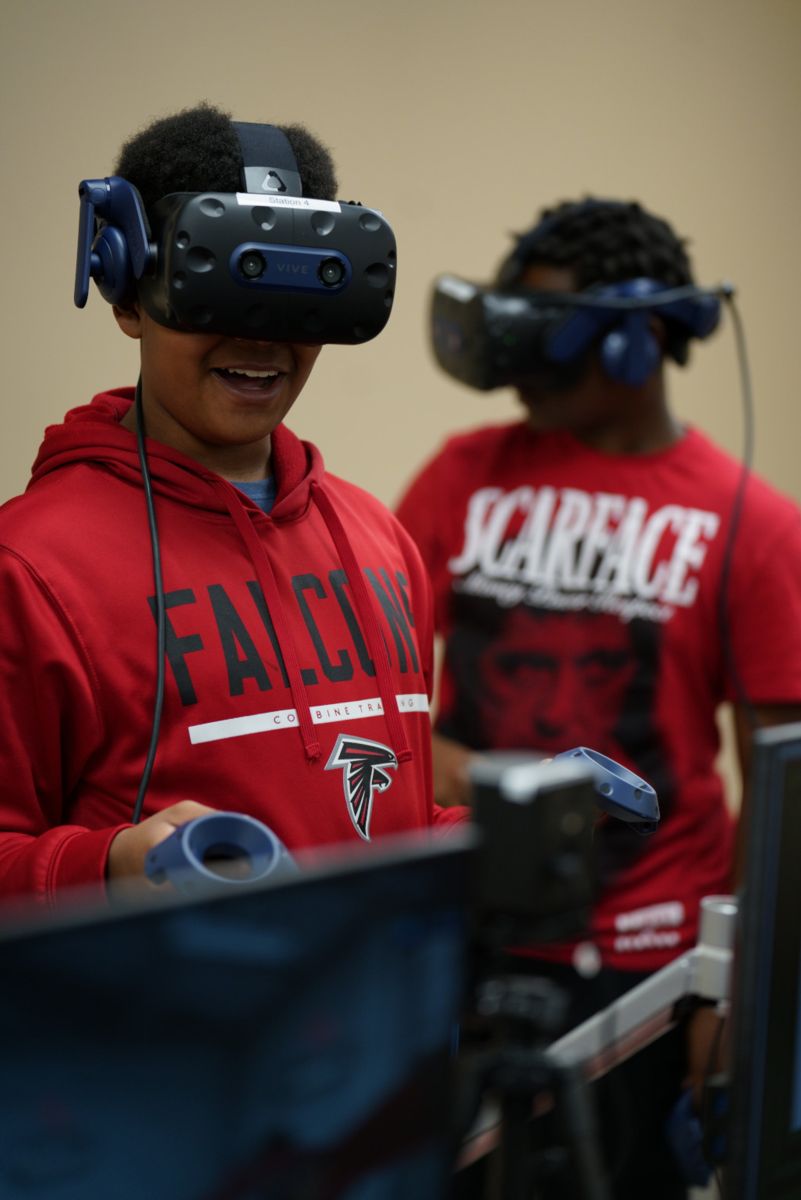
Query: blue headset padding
x,y
630,352
111,265
121,251
699,315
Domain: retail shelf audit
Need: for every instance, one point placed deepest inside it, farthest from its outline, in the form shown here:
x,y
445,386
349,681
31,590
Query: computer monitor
x,y
280,1040
764,1130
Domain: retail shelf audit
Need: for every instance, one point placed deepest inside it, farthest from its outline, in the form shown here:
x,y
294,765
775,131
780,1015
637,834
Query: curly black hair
x,y
602,241
605,241
197,150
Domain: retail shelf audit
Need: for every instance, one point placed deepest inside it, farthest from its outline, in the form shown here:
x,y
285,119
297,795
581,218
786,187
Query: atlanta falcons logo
x,y
364,765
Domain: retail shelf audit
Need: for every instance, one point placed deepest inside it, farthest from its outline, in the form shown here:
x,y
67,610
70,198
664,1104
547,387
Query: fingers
x,y
179,814
128,850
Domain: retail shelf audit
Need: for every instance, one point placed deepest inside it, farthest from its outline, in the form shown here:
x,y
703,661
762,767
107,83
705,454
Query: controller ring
x,y
182,857
624,794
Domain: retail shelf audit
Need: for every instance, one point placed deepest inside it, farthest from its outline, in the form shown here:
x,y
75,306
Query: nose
x,y
560,720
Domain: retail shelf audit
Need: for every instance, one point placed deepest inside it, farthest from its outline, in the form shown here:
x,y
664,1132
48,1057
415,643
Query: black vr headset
x,y
264,263
491,338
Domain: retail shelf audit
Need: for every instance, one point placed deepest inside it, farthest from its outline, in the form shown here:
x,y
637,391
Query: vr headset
x,y
490,338
264,263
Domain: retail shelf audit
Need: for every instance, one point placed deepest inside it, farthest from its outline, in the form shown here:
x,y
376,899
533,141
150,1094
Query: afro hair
x,y
197,150
601,241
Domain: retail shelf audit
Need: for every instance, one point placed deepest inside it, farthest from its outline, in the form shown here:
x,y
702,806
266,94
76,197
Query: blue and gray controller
x,y
619,791
203,852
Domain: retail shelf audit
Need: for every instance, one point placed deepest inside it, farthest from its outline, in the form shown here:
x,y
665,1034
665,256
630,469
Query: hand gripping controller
x,y
223,849
619,791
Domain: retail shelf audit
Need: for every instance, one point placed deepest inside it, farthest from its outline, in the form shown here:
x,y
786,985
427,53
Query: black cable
x,y
687,291
161,617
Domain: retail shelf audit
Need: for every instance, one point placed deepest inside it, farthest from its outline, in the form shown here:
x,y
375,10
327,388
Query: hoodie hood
x,y
93,433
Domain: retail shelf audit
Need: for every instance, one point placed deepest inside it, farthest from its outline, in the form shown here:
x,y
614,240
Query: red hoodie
x,y
298,653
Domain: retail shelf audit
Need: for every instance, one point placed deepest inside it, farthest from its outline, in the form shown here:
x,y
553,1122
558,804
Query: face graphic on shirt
x,y
526,679
551,681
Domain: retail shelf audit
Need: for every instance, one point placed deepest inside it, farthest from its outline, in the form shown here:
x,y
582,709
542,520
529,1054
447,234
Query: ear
x,y
129,320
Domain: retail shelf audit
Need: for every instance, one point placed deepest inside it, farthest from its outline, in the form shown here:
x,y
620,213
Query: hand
x,y
706,1049
126,854
451,762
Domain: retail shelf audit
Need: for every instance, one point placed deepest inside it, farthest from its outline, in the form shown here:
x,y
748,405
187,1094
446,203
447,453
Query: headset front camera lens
x,y
252,264
331,272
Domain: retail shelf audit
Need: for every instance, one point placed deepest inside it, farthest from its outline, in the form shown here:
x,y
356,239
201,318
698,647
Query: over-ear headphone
x,y
266,262
114,245
490,338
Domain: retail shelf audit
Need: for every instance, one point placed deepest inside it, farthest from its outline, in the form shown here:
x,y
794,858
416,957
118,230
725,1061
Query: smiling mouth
x,y
248,378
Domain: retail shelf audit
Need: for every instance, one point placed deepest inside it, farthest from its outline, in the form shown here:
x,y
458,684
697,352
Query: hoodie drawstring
x,y
366,613
364,609
269,586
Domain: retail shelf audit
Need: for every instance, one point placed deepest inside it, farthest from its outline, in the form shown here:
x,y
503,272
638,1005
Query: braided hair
x,y
603,242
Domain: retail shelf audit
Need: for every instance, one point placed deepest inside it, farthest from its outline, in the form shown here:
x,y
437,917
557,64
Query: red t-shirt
x,y
578,595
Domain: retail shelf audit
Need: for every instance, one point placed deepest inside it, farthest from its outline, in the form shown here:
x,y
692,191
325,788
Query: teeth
x,y
251,374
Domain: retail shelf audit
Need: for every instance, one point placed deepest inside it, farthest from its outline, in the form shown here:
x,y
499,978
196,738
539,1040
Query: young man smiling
x,y
216,399
298,623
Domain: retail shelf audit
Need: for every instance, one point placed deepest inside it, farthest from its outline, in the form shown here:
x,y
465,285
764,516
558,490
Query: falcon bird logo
x,y
364,766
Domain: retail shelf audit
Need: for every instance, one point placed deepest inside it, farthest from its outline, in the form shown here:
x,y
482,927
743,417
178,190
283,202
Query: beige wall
x,y
458,118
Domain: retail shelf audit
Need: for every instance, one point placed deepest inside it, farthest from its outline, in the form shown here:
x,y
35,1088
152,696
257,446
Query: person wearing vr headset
x,y
294,609
600,510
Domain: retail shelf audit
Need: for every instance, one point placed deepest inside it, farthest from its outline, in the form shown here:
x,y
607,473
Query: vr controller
x,y
618,791
234,849
269,264
490,338
536,870
227,849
